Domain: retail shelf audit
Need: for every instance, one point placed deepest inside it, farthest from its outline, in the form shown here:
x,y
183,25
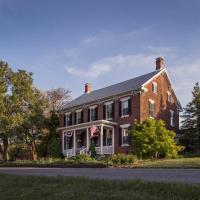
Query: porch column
x,y
113,140
74,143
63,142
101,140
88,139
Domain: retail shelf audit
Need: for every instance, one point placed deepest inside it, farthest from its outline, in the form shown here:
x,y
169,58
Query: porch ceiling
x,y
88,124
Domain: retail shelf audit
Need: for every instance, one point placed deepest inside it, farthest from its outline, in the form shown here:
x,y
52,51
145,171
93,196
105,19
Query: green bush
x,y
151,139
82,158
53,148
121,159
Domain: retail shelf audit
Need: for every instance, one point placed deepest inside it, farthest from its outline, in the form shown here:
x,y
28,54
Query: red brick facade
x,y
139,107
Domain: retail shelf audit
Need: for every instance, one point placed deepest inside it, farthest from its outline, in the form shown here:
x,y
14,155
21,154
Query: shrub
x,y
92,150
82,158
53,149
152,140
121,159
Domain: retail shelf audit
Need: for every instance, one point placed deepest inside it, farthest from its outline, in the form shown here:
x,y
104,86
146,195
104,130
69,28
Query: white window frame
x,y
77,113
123,127
106,114
171,118
154,103
123,100
169,96
154,87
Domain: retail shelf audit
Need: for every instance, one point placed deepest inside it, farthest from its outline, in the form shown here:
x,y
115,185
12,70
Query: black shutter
x,y
96,113
88,114
129,106
65,142
64,118
75,118
120,105
113,110
70,118
104,112
120,136
82,116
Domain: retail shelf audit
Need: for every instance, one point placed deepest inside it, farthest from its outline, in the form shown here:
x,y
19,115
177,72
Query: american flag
x,y
93,130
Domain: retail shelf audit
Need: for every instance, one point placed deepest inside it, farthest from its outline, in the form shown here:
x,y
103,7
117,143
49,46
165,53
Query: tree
x,y
34,124
15,95
151,139
57,98
191,118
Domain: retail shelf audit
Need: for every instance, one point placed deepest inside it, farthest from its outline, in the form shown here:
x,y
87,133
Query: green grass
x,y
53,188
171,163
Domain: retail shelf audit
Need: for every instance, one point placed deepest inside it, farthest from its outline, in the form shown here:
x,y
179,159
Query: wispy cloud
x,y
108,35
89,40
113,64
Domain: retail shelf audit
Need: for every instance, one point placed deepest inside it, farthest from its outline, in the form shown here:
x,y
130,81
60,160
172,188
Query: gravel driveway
x,y
177,175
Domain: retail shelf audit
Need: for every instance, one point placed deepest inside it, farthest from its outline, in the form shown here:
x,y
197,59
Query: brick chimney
x,y
160,63
88,88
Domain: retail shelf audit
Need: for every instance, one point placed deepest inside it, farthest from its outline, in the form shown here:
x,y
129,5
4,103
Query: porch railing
x,y
68,153
106,150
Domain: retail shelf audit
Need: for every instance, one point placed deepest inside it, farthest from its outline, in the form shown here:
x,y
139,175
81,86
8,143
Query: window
x,y
107,137
171,118
152,108
67,119
125,134
93,113
108,110
125,107
154,87
79,117
68,141
168,96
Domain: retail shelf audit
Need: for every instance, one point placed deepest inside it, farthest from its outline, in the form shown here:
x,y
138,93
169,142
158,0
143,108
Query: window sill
x,y
124,145
125,116
109,119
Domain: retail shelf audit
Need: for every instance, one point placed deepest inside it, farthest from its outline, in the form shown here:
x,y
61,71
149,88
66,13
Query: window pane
x,y
109,111
125,110
125,136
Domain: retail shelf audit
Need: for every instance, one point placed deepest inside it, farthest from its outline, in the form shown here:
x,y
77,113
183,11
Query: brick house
x,y
104,116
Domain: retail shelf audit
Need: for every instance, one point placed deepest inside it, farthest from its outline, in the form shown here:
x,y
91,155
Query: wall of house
x,y
163,107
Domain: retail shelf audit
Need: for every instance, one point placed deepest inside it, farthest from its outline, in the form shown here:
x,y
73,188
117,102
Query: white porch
x,y
76,139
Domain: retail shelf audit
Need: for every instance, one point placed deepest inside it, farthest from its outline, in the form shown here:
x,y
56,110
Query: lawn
x,y
29,187
171,163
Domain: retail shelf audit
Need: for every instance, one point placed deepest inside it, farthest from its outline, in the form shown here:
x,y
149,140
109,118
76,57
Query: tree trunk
x,y
4,149
33,151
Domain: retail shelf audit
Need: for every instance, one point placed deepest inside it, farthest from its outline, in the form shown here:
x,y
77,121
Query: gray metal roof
x,y
119,88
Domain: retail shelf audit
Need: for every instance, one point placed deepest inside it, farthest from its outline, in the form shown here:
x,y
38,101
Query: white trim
x,y
67,113
148,81
125,125
79,110
151,101
108,102
123,116
125,99
172,87
155,85
88,125
92,107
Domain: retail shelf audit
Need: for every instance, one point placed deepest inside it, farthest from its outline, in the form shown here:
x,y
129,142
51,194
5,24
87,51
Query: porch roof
x,y
88,124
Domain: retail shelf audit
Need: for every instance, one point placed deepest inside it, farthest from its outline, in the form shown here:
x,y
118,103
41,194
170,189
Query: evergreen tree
x,y
191,116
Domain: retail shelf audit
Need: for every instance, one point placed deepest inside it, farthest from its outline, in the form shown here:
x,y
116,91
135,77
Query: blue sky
x,y
66,43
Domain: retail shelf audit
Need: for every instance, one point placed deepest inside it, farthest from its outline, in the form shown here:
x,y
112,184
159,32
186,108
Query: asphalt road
x,y
168,175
